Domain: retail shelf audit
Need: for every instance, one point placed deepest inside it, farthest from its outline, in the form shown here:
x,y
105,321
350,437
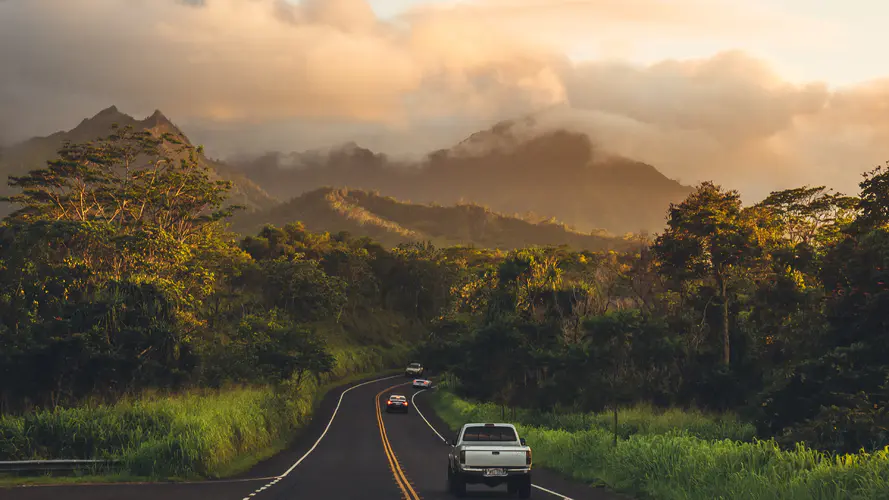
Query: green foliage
x,y
707,242
810,216
302,288
130,178
279,350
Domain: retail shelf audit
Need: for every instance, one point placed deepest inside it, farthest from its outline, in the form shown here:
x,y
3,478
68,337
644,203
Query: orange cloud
x,y
333,67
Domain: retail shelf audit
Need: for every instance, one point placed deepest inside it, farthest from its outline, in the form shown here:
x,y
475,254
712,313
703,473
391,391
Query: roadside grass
x,y
196,434
641,419
672,464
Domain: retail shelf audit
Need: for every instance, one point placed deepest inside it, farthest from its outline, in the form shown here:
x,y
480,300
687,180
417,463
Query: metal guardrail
x,y
53,465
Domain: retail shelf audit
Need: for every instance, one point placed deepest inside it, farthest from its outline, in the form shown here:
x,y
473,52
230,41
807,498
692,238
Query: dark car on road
x,y
396,402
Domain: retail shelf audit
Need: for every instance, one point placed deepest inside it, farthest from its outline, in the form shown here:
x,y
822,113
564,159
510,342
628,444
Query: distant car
x,y
396,402
413,370
422,383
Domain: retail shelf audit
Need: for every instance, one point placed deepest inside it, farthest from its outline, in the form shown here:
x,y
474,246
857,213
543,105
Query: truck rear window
x,y
481,433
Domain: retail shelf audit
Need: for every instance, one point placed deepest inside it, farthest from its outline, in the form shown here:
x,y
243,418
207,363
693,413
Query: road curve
x,y
351,450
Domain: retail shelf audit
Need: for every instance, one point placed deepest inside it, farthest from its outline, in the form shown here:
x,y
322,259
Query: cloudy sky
x,y
754,94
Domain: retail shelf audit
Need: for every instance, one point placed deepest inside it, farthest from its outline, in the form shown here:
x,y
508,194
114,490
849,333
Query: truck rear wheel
x,y
457,484
524,487
512,487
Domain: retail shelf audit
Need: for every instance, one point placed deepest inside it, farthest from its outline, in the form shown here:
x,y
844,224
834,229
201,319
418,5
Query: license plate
x,y
495,472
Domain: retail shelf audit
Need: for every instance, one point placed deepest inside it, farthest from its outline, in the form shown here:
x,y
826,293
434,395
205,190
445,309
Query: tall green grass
x,y
197,434
642,419
673,464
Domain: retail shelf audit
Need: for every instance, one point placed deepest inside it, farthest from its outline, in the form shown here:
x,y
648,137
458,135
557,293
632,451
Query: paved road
x,y
351,450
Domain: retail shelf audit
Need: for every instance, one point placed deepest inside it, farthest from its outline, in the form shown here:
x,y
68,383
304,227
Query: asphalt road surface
x,y
351,450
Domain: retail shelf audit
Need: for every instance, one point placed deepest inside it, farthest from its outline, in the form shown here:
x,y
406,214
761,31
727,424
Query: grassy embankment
x,y
676,455
196,434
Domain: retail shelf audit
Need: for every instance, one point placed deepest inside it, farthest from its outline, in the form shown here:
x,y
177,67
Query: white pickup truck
x,y
490,454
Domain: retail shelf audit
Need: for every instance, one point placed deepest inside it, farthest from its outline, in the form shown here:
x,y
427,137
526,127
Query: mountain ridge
x,y
391,222
514,166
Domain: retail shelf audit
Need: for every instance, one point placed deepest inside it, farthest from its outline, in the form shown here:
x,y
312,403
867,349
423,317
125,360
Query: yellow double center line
x,y
397,471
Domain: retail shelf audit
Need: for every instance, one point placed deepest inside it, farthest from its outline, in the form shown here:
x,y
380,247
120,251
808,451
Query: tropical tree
x,y
708,241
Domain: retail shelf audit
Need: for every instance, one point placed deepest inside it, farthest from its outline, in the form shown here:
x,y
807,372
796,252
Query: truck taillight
x,y
462,456
528,457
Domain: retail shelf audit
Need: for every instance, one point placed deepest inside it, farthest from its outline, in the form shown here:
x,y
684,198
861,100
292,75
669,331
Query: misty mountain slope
x,y
34,153
391,222
557,173
514,167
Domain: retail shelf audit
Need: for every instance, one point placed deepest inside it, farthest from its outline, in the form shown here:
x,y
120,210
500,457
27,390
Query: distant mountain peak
x,y
109,114
110,110
159,117
508,136
99,124
160,124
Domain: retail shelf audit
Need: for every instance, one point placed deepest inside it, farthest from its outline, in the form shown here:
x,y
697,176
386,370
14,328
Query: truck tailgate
x,y
495,456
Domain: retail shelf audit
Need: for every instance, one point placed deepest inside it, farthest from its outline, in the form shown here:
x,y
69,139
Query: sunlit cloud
x,y
270,74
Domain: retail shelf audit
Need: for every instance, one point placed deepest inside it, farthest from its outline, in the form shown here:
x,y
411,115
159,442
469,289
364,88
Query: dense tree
x,y
132,179
279,350
836,397
810,216
707,242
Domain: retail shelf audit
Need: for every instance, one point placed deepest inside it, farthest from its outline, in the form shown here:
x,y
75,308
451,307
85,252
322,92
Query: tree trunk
x,y
726,345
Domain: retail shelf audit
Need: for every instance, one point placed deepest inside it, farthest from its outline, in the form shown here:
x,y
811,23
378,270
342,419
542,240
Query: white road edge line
x,y
329,423
213,481
424,417
420,413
